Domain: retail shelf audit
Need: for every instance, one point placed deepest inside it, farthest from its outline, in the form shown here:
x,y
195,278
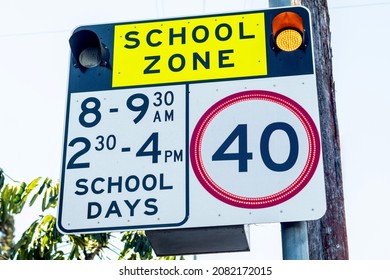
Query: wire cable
x,y
6,175
359,6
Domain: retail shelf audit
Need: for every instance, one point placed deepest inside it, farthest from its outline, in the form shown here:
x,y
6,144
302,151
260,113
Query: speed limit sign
x,y
192,122
257,152
290,121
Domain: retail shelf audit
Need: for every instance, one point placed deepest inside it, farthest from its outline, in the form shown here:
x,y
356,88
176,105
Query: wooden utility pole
x,y
327,237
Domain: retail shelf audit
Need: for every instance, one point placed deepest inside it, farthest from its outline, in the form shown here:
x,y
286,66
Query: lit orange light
x,y
287,28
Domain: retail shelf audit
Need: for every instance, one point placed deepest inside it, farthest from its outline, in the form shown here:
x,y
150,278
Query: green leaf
x,y
33,199
43,206
2,179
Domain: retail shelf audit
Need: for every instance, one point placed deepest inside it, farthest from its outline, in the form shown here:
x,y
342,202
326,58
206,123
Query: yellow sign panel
x,y
187,50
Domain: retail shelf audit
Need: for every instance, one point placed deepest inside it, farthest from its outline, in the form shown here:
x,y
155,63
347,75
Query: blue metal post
x,y
279,3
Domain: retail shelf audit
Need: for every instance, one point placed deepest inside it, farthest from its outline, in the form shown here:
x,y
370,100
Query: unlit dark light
x,y
90,57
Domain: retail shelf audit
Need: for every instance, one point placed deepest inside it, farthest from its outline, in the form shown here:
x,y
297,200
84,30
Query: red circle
x,y
255,202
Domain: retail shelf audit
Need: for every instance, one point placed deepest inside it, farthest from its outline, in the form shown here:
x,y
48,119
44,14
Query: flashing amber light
x,y
287,29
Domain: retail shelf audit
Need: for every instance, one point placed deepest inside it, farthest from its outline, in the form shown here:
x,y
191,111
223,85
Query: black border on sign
x,y
100,79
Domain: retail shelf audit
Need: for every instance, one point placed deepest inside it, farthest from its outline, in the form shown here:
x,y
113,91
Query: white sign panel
x,y
256,154
123,166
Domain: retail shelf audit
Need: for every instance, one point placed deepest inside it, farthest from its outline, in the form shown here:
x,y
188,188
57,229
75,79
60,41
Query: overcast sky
x,y
33,78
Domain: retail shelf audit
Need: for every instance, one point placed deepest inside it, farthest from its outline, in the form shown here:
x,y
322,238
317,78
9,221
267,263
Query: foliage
x,y
42,241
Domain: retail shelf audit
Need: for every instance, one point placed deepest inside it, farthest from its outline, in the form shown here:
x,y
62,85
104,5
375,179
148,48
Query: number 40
x,y
242,155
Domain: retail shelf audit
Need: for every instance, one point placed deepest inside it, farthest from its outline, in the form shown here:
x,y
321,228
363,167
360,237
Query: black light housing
x,y
87,50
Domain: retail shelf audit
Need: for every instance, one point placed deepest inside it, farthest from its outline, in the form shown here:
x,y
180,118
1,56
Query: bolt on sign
x,y
192,122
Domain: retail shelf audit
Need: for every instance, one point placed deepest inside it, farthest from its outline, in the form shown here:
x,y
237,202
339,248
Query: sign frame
x,y
97,81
